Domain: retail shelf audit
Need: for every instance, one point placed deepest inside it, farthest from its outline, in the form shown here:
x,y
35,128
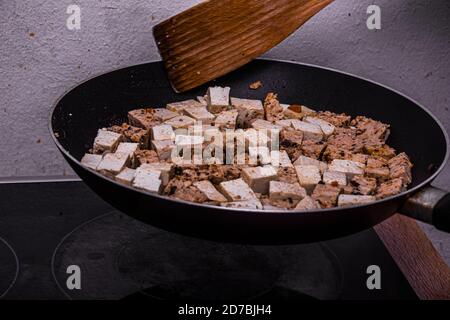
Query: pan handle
x,y
430,205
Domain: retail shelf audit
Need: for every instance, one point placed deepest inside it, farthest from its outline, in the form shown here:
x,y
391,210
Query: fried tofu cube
x,y
199,114
142,118
260,124
181,122
106,141
248,110
308,203
163,148
236,190
148,180
247,204
179,106
218,99
335,178
307,161
280,159
259,155
162,132
129,148
113,163
91,160
281,190
390,188
226,119
126,176
208,189
258,178
326,194
310,131
162,114
350,168
166,169
202,100
327,128
351,200
308,176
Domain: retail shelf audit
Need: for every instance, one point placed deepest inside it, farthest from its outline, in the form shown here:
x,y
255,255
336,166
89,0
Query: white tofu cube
x,y
199,114
91,160
113,163
259,155
327,128
308,203
256,138
129,148
181,122
218,99
163,148
208,189
202,100
106,141
307,161
236,190
226,119
126,176
351,200
254,204
310,131
248,110
335,178
148,180
178,107
166,170
308,177
260,124
350,168
186,141
280,159
162,132
258,178
288,123
163,114
282,190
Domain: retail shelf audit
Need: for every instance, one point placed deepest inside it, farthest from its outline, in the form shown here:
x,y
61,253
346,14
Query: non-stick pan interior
x,y
105,100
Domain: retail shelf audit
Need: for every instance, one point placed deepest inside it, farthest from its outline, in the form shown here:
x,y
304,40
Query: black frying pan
x,y
105,100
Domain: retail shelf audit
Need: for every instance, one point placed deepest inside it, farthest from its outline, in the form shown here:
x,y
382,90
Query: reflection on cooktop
x,y
9,267
122,258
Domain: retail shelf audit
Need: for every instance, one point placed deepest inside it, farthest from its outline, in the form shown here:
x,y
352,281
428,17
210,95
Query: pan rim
x,y
259,211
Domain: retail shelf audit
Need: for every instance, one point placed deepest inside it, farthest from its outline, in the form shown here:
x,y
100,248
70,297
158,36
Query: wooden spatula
x,y
218,36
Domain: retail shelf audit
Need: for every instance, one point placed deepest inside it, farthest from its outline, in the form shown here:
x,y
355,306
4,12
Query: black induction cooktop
x,y
47,228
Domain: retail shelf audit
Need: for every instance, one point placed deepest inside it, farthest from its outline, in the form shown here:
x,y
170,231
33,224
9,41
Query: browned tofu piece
x,y
338,120
326,195
291,141
313,149
248,111
363,185
400,167
374,133
209,191
308,203
282,191
287,174
384,151
142,118
279,204
390,188
346,139
133,134
185,190
272,108
146,156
